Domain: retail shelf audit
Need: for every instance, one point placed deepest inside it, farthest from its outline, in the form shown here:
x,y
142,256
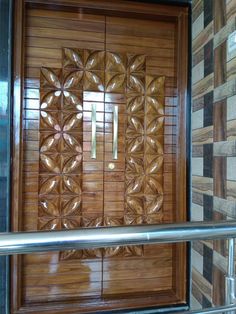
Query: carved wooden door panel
x,y
100,119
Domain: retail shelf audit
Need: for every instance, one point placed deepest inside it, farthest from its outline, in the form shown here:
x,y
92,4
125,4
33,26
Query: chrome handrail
x,y
219,309
88,238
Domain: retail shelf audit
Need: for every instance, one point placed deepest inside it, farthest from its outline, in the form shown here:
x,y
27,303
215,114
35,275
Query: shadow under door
x,y
102,144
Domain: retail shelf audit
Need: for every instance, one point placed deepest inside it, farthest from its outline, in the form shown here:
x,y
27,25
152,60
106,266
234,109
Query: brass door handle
x,y
93,138
115,132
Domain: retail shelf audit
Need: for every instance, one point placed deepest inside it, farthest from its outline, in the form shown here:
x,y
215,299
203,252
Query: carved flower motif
x,y
60,185
136,105
57,214
90,64
155,85
59,163
136,74
135,134
115,72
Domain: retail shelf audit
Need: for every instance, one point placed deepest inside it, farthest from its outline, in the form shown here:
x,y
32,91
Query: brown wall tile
x,y
219,14
218,286
219,170
219,121
220,64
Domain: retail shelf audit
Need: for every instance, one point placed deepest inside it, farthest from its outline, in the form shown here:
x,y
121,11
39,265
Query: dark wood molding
x,y
17,144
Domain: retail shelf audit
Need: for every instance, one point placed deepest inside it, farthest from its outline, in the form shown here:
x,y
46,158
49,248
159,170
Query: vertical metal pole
x,y
230,277
115,132
93,139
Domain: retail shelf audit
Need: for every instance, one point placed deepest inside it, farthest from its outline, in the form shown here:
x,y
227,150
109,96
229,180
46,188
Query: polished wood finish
x,y
142,276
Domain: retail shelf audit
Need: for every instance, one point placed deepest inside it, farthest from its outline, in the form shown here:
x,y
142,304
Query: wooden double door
x,y
101,128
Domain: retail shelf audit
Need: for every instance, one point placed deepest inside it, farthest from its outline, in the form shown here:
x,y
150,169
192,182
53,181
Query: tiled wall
x,y
213,139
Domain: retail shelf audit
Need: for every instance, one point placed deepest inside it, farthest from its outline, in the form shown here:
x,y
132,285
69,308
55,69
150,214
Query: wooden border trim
x,y
113,6
17,144
181,170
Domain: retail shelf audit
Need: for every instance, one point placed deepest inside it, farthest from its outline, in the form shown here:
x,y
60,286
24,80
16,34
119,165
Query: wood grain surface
x,y
62,187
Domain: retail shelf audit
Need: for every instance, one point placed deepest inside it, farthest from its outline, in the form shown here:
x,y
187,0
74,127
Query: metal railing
x,y
88,238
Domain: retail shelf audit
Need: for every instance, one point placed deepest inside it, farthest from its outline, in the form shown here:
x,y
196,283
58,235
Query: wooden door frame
x,y
137,9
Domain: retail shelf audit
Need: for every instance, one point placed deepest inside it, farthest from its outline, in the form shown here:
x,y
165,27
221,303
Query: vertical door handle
x,y
93,139
115,132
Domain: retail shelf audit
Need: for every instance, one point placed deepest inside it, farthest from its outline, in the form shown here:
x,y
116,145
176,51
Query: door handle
x,y
115,132
93,139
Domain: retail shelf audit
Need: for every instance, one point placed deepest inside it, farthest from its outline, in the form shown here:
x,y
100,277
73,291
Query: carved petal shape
x,y
73,58
155,218
155,125
72,143
134,165
153,187
133,250
51,101
50,185
132,219
134,205
115,62
153,146
49,163
135,145
115,83
72,207
51,78
153,204
155,105
92,221
135,105
71,101
92,253
49,143
113,251
95,61
49,207
113,221
135,186
49,224
73,80
93,82
137,63
71,223
74,121
49,120
155,85
135,126
72,164
71,185
71,254
155,165
136,84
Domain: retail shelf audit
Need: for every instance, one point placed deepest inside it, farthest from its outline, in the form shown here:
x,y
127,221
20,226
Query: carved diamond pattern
x,y
60,158
61,143
90,65
58,213
115,72
144,144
